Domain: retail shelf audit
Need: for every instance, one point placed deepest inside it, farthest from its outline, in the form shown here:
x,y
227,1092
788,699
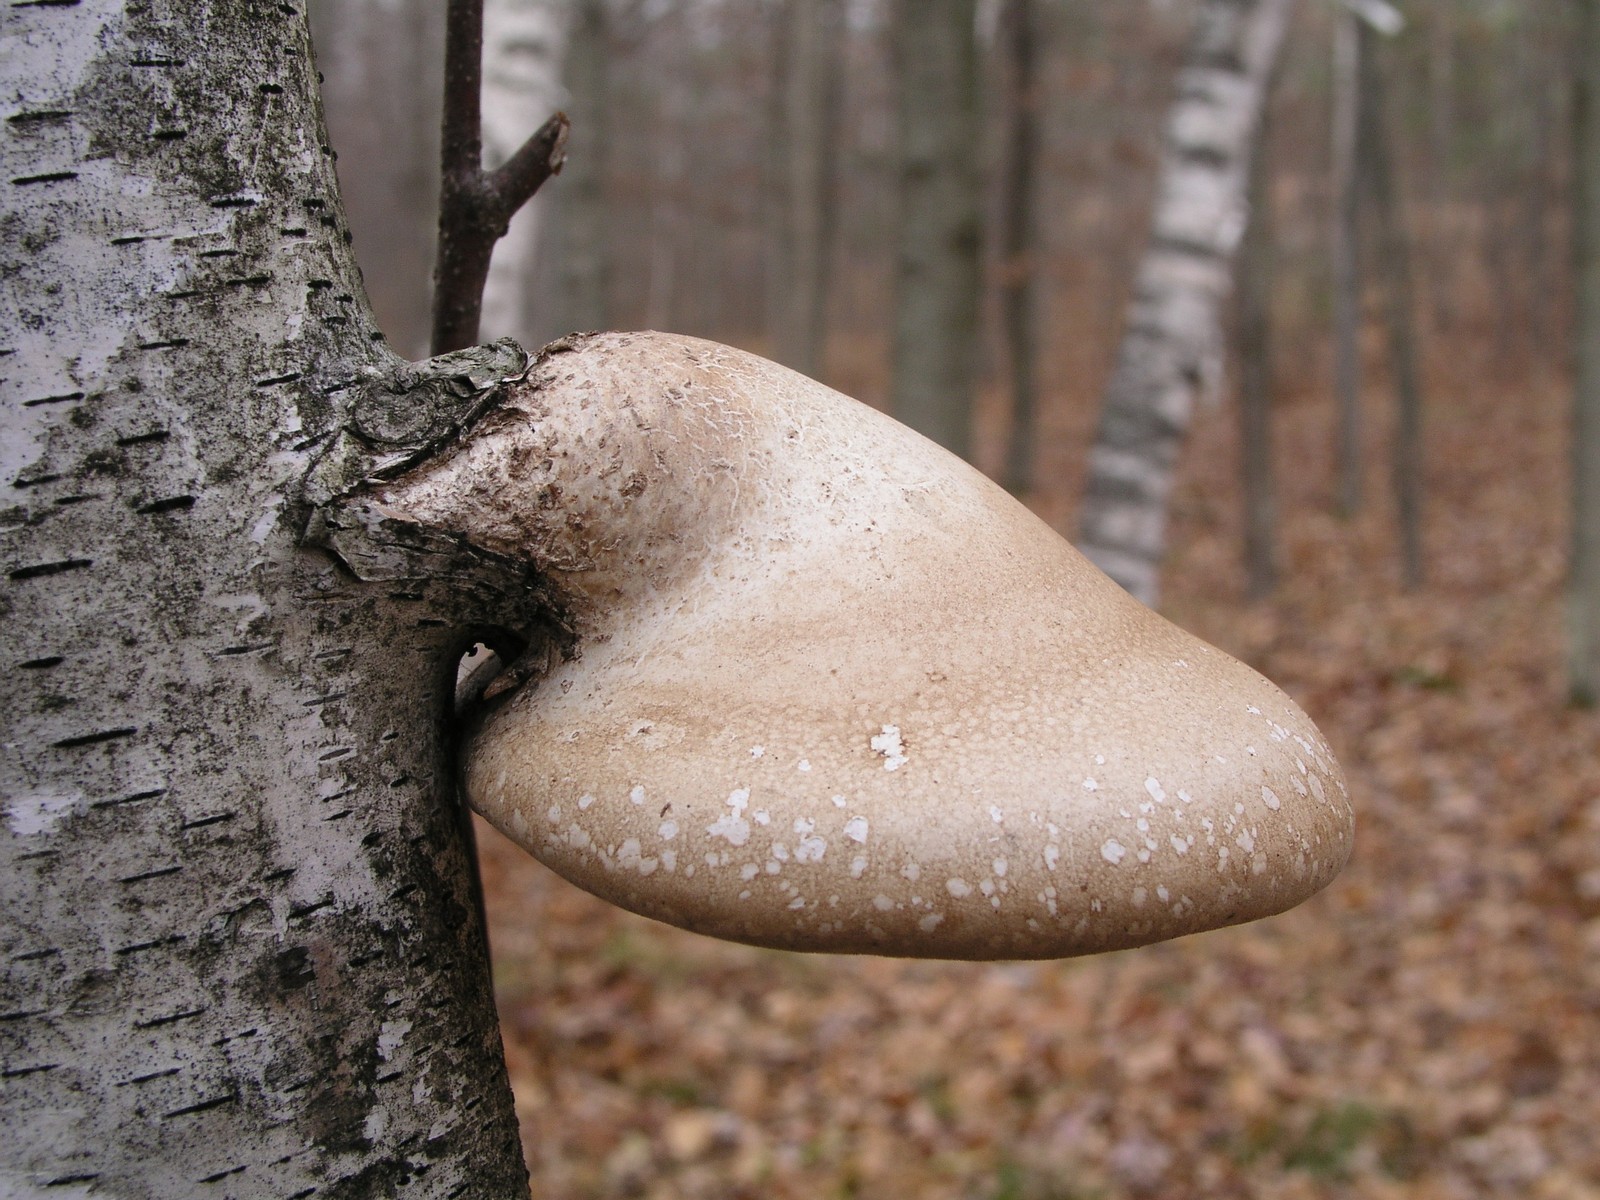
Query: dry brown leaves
x,y
1426,1028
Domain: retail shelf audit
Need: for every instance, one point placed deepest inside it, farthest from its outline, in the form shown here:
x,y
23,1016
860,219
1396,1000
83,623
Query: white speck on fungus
x,y
889,745
856,829
1112,851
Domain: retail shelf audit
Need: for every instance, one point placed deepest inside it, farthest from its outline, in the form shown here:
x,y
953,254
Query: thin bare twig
x,y
475,206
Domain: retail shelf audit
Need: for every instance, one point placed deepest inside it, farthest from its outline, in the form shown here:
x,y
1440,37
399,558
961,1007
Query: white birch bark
x,y
523,45
242,947
1172,341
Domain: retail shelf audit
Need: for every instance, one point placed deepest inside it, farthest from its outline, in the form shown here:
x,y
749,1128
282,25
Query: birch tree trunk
x,y
1173,338
243,948
938,270
523,45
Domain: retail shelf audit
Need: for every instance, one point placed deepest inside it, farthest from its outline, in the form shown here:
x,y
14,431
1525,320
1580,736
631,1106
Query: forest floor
x,y
1429,1026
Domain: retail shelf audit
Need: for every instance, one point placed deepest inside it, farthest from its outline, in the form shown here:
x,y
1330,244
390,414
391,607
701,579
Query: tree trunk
x,y
1019,32
585,246
810,109
937,270
1395,265
1348,180
383,64
1255,384
243,941
523,44
1583,589
1171,342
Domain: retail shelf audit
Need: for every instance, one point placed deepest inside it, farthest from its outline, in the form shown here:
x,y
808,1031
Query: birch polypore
x,y
833,690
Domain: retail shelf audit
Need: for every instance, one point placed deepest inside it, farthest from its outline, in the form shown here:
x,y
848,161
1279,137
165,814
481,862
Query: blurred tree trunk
x,y
1348,178
1583,589
1256,265
938,271
1019,266
585,246
810,106
1172,339
1394,259
523,44
384,75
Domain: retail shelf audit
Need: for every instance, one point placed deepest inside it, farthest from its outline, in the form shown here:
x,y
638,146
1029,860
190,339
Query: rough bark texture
x,y
938,269
1583,596
523,45
243,951
1172,338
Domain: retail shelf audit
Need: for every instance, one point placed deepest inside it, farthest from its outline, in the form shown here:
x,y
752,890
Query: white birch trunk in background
x,y
242,945
1172,340
523,45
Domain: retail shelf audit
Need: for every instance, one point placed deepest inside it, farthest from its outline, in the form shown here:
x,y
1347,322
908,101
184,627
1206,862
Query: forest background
x,y
1428,1027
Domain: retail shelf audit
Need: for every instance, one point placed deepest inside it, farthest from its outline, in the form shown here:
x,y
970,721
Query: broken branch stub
x,y
837,691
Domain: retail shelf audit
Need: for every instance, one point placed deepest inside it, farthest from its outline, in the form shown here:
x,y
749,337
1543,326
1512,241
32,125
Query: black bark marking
x,y
40,664
157,873
22,1014
95,738
274,876
202,1106
35,955
230,651
78,498
139,439
63,398
48,177
306,910
170,504
157,944
220,1175
169,1019
202,822
169,135
137,1079
276,379
39,116
337,753
19,1072
169,344
130,240
155,62
87,1176
340,815
134,798
33,481
41,570
233,202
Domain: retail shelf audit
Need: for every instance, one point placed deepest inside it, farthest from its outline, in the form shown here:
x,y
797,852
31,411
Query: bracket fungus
x,y
834,690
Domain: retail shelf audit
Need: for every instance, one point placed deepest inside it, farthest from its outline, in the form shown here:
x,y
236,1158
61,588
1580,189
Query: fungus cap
x,y
837,691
